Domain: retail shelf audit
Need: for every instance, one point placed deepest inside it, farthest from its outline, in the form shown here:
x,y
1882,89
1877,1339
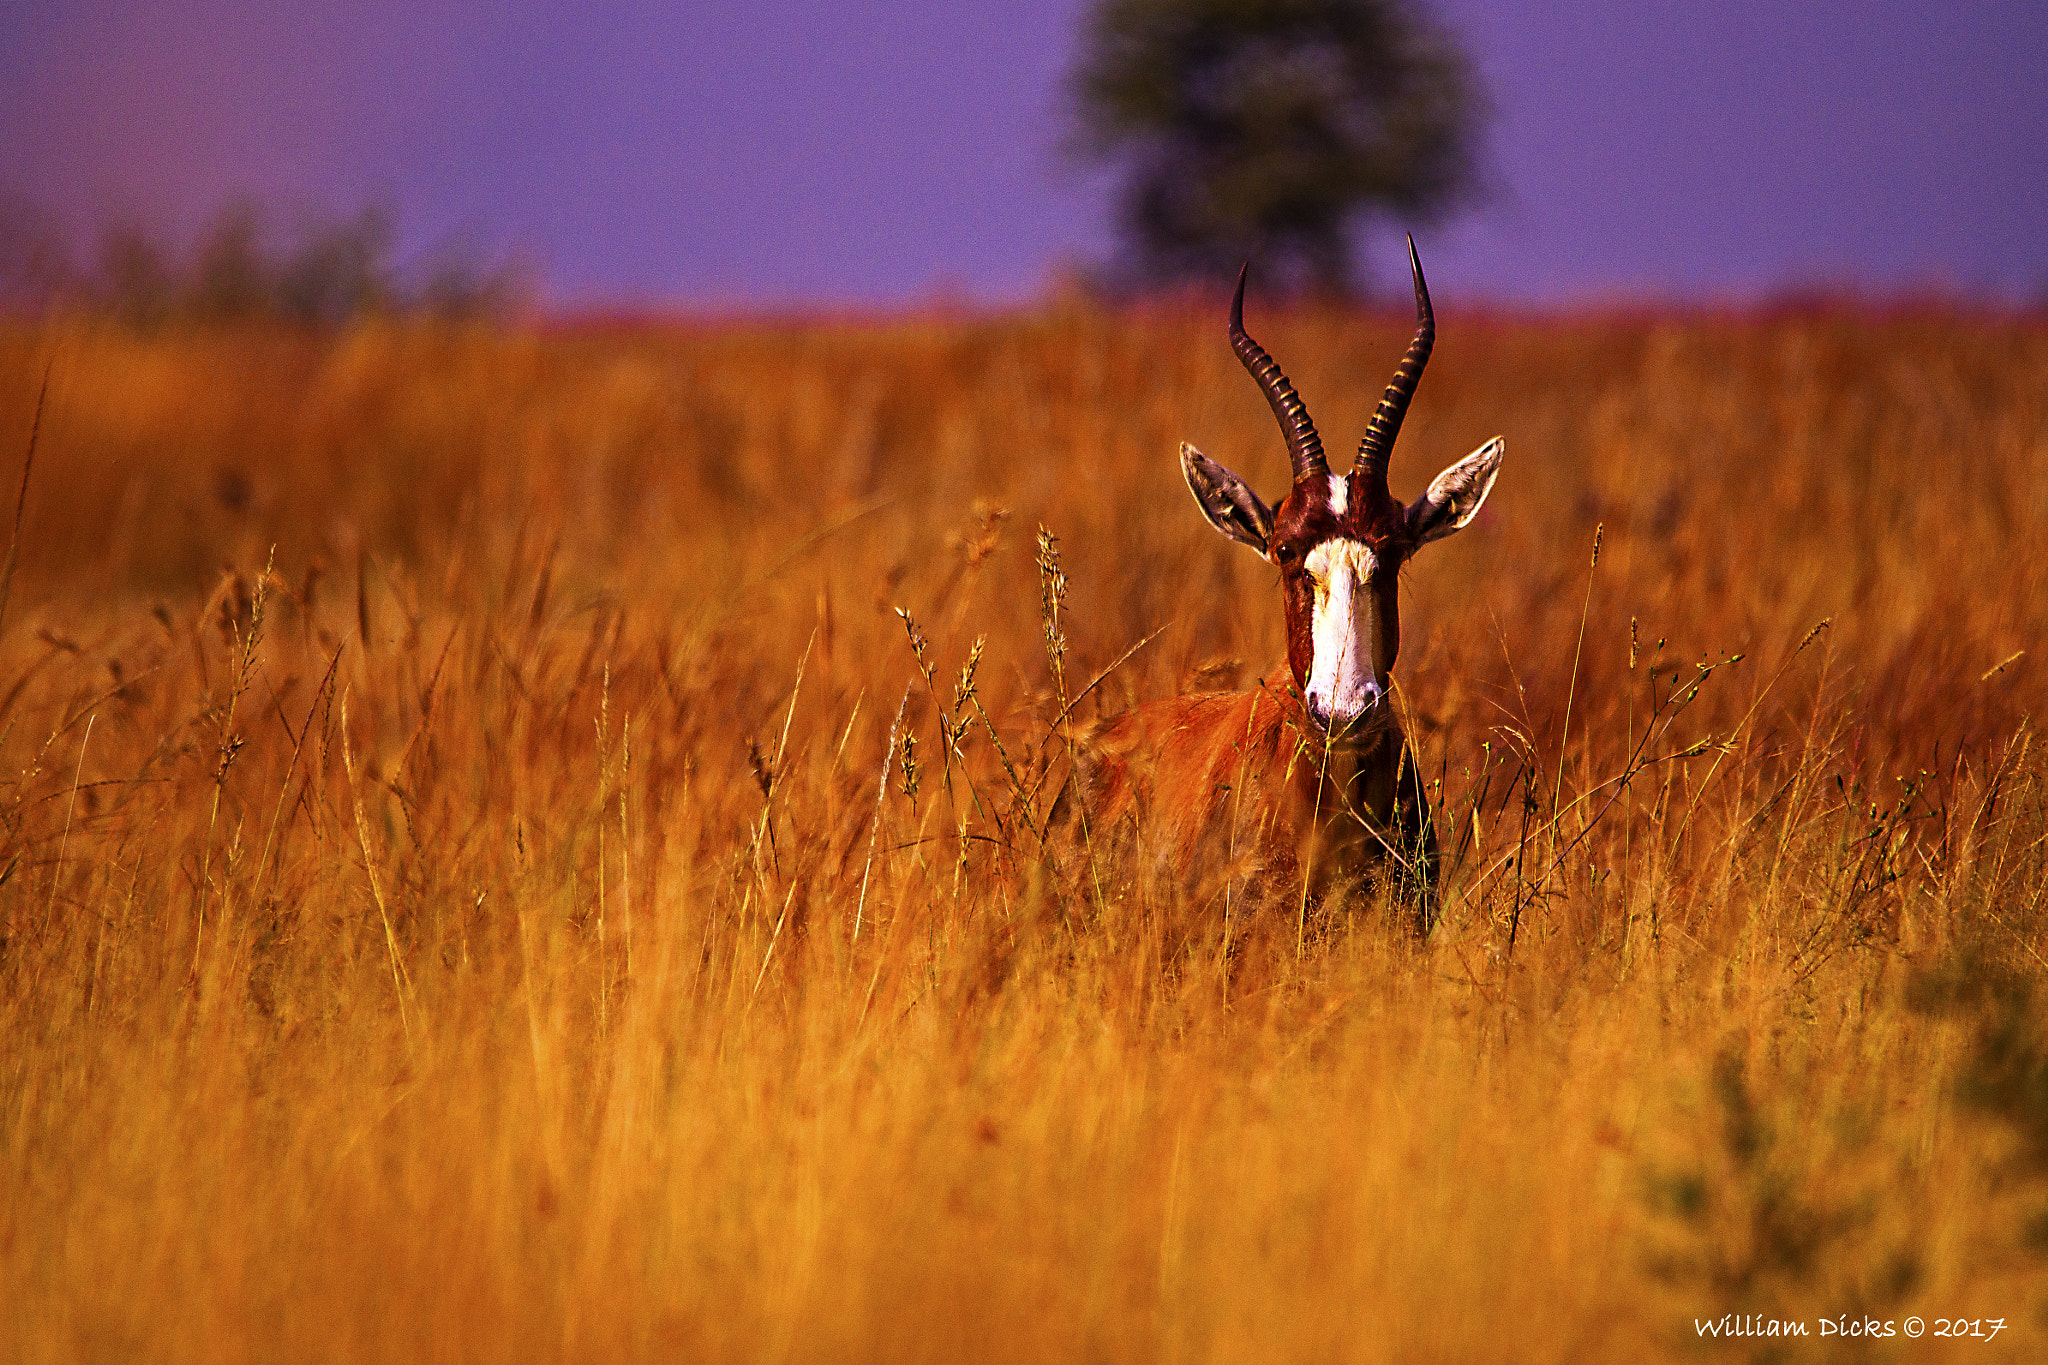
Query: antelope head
x,y
1340,540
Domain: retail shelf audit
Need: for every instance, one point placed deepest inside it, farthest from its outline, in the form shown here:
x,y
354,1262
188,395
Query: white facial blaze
x,y
1341,681
1340,494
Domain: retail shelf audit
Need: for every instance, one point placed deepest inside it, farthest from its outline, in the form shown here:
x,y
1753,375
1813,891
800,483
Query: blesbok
x,y
1309,773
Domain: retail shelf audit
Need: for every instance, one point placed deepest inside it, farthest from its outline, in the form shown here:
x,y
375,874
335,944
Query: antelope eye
x,y
1286,554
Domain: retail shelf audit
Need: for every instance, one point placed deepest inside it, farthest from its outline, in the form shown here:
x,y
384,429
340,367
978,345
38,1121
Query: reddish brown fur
x,y
1242,782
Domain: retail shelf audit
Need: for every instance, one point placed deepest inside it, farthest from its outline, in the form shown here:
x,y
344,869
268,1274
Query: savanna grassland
x,y
485,874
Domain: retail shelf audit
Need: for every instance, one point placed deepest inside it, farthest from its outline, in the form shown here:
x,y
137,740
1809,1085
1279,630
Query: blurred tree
x,y
342,269
231,277
1265,128
35,258
133,278
330,272
462,286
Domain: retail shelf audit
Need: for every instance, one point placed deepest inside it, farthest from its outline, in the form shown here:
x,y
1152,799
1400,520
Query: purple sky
x,y
801,151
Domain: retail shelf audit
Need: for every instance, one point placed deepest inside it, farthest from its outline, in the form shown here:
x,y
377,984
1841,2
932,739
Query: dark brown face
x,y
1339,542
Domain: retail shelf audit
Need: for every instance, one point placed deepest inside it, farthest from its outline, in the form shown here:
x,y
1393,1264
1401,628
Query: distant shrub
x,y
238,268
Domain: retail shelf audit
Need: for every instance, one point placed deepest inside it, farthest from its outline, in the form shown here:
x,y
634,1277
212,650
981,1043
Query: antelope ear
x,y
1230,506
1455,495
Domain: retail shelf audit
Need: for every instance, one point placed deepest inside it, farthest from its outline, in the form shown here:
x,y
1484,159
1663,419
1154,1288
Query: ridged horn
x,y
1386,422
1304,447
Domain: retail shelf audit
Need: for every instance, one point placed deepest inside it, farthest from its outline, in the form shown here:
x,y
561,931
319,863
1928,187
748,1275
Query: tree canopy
x,y
1268,128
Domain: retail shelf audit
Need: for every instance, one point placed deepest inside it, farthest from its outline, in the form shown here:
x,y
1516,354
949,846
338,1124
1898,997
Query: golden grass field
x,y
501,931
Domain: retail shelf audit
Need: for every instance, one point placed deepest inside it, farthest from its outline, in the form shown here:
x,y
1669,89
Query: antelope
x,y
1309,772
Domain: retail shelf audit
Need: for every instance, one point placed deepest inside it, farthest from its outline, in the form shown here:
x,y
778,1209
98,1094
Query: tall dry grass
x,y
461,898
